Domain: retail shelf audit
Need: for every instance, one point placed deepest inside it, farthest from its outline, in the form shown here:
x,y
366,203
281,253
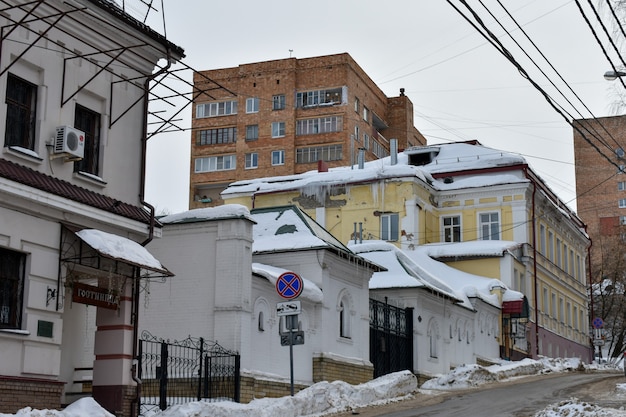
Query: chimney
x,y
361,158
393,151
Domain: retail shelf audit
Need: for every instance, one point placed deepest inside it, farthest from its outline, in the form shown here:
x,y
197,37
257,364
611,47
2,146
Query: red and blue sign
x,y
289,285
597,323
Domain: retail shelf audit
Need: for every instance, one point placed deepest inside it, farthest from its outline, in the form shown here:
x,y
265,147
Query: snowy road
x,y
522,398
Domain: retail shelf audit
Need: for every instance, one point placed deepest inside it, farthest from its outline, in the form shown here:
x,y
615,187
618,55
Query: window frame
x,y
252,132
455,229
215,163
278,129
390,227
281,157
279,102
252,105
216,109
490,224
12,281
251,160
20,127
90,122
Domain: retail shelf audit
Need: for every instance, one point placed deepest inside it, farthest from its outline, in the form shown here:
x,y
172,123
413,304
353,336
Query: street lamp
x,y
612,75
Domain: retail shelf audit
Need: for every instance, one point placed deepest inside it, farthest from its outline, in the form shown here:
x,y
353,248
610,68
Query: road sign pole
x,y
291,358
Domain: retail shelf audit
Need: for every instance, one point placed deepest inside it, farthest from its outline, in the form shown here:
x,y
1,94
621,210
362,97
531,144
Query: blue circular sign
x,y
289,285
597,323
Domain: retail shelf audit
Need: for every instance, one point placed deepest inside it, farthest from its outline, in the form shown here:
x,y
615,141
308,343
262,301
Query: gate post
x,y
200,378
409,335
163,377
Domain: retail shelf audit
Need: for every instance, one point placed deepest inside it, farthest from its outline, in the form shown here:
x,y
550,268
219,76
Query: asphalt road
x,y
519,398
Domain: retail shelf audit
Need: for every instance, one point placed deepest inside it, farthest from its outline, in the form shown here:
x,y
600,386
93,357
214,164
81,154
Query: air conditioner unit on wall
x,y
70,141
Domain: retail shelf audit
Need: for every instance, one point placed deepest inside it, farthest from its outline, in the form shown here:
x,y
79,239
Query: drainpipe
x,y
534,237
591,309
144,151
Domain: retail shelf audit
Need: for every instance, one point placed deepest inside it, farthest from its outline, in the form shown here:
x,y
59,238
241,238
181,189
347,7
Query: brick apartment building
x,y
600,184
281,117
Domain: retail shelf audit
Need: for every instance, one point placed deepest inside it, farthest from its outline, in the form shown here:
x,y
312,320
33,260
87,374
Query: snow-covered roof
x,y
452,157
417,269
226,211
120,248
470,249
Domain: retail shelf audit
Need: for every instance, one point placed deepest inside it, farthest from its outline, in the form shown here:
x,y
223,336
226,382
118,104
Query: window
x,y
216,163
319,153
452,229
217,136
278,129
621,169
261,322
357,104
621,186
542,239
89,122
217,108
278,157
546,306
252,160
575,317
379,150
561,311
319,125
252,132
344,318
11,288
21,100
559,260
366,114
571,262
319,97
622,203
489,224
432,339
252,105
366,141
565,259
389,226
553,307
551,246
278,102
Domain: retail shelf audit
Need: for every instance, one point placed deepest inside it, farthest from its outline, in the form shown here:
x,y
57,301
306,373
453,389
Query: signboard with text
x,y
95,296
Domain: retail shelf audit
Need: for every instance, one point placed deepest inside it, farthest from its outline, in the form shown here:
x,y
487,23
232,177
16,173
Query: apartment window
x,y
344,318
621,186
319,97
551,246
389,226
579,271
216,108
278,102
561,311
575,317
319,125
216,163
217,136
553,306
89,122
622,220
571,262
489,224
366,114
319,153
559,260
546,306
357,104
278,157
452,229
278,129
252,132
621,169
21,100
565,259
252,160
366,141
379,150
252,105
542,239
622,203
11,288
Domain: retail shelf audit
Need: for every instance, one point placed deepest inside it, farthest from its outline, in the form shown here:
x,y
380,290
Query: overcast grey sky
x,y
460,86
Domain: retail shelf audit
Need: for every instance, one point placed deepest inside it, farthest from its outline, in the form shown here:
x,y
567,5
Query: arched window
x,y
261,322
344,308
433,335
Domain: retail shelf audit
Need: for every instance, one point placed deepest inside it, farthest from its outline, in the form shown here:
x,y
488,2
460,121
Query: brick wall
x,y
252,388
17,393
327,369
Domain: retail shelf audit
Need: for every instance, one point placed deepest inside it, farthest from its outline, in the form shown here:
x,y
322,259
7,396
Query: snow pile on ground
x,y
575,408
326,398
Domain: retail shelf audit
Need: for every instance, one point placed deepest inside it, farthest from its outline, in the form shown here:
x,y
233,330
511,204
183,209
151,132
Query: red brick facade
x,y
367,119
599,183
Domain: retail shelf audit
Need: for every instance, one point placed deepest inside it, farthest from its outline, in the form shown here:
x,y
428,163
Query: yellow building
x,y
458,196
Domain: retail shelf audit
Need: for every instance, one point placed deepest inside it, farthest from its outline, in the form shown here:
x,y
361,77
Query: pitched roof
x,y
29,177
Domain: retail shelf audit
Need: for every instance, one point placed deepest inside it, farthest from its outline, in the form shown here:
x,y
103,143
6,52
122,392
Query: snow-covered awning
x,y
120,249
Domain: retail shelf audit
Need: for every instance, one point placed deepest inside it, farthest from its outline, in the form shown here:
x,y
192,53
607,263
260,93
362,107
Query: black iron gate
x,y
183,371
391,338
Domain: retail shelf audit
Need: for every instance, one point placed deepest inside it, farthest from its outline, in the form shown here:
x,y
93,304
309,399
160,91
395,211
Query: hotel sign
x,y
95,296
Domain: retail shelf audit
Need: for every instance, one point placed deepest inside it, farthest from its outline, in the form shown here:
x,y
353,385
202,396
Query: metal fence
x,y
183,371
391,338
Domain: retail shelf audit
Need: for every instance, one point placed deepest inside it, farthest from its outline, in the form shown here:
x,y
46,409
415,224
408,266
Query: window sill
x,y
90,178
16,331
346,340
23,153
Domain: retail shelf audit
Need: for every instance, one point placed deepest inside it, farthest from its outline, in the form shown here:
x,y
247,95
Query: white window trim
x,y
441,226
480,225
282,162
